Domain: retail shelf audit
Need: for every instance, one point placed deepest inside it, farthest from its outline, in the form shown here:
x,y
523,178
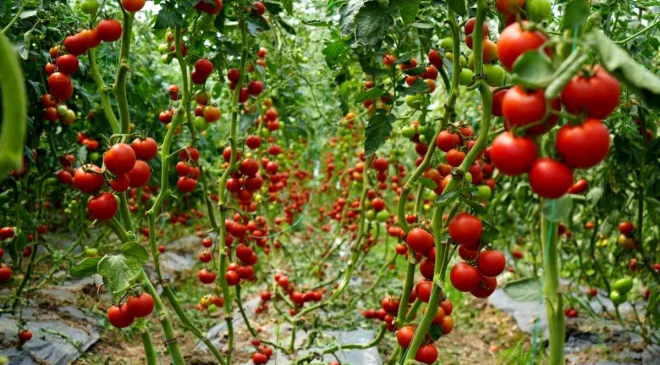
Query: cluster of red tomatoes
x,y
203,69
5,270
59,82
254,87
298,298
270,117
187,169
127,166
136,306
442,323
262,353
53,111
580,144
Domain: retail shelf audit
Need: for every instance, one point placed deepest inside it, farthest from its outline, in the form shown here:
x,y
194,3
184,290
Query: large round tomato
x,y
465,229
583,146
145,149
67,64
119,159
427,354
60,86
446,141
521,107
514,41
109,30
423,290
140,306
140,174
405,335
420,240
102,207
89,182
509,7
491,263
133,5
120,316
597,94
465,277
513,155
485,288
550,179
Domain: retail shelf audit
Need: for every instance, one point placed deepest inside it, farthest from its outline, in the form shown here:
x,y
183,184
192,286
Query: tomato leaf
x,y
407,9
415,71
256,24
373,22
374,92
379,128
86,267
447,198
489,233
418,87
557,210
289,29
428,183
348,13
575,14
120,271
288,6
533,70
168,17
460,7
594,195
616,61
524,290
478,208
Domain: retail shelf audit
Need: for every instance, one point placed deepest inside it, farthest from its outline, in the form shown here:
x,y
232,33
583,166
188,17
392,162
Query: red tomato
x,y
145,149
133,5
465,229
109,30
485,288
140,174
514,41
465,277
140,306
405,335
435,58
206,277
89,182
513,155
423,290
24,336
75,44
67,64
60,86
186,184
119,159
509,7
521,108
420,240
550,179
120,317
5,273
583,146
625,228
253,142
427,354
598,94
447,141
579,187
455,157
102,207
491,263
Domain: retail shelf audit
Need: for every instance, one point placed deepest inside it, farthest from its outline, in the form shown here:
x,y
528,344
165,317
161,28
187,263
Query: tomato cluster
x,y
123,315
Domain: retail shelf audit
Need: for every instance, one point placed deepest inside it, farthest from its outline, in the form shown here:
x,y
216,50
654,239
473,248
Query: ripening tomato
x,y
109,30
24,336
140,306
89,182
75,44
465,229
140,174
427,354
465,277
119,159
597,94
5,273
579,187
583,146
550,179
60,86
420,240
103,207
120,316
145,149
405,335
133,5
491,263
435,58
455,157
625,228
521,108
514,41
513,155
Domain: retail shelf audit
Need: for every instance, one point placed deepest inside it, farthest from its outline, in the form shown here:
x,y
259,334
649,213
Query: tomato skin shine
x,y
513,155
521,108
514,41
583,146
550,179
597,95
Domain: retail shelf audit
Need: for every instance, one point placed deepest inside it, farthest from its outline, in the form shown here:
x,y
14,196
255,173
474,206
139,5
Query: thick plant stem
x,y
14,109
103,92
149,351
122,71
553,298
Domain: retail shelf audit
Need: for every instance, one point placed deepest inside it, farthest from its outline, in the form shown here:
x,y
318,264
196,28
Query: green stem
x,y
13,20
150,352
14,109
553,298
650,26
103,92
122,71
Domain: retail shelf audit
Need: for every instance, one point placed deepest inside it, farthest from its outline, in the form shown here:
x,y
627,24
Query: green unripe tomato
x,y
623,285
483,192
206,22
62,110
165,59
382,216
495,74
463,61
468,177
91,252
89,7
370,215
470,61
200,123
265,132
447,43
414,101
538,10
422,138
466,77
432,195
162,48
94,156
408,132
617,298
212,308
427,207
422,129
